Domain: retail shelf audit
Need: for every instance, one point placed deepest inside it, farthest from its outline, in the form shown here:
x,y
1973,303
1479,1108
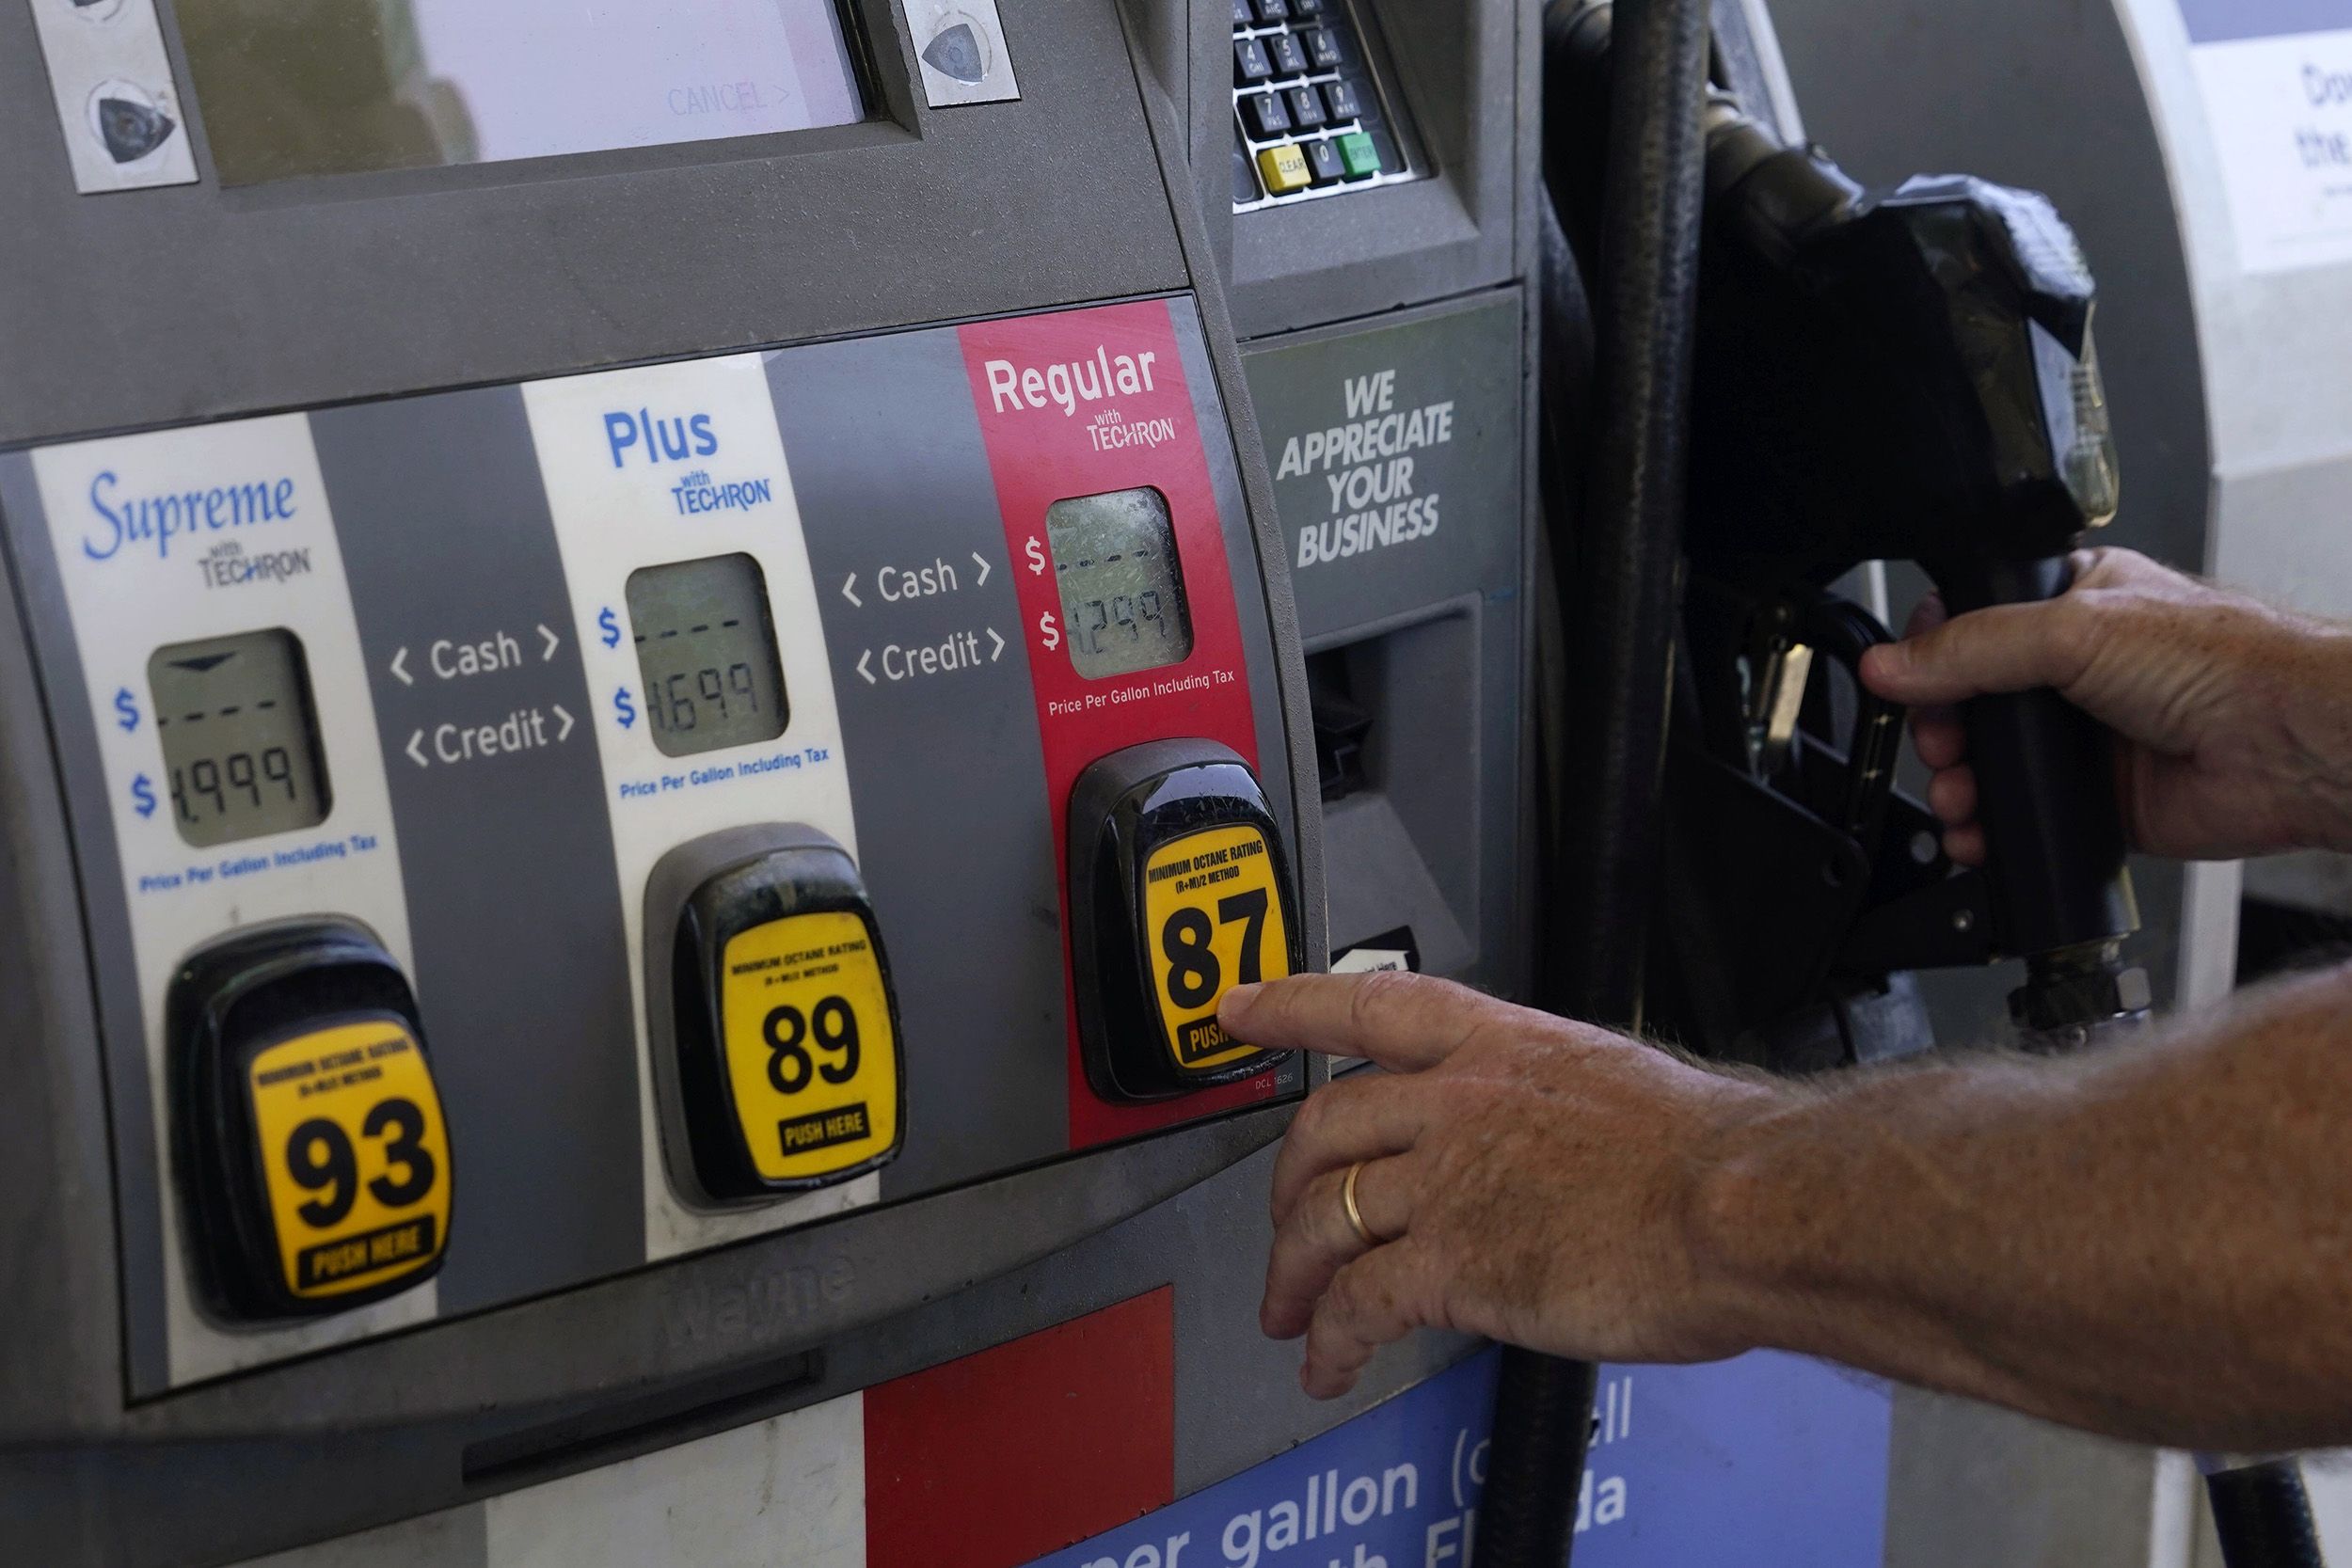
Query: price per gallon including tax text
x,y
812,1057
1212,920
354,1154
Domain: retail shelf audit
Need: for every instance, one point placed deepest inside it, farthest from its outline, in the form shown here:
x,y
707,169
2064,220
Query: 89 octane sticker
x,y
1213,915
355,1156
811,1055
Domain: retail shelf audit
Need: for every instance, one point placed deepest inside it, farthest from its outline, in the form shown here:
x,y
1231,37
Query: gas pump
x,y
642,719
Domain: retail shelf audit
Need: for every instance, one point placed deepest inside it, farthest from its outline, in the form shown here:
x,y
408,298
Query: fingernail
x,y
1236,1004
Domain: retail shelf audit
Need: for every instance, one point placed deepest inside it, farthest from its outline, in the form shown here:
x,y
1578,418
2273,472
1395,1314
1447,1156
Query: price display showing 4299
x,y
812,1055
354,1157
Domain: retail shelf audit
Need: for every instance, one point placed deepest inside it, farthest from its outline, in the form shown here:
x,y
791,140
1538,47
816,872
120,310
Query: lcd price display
x,y
706,650
240,737
1122,588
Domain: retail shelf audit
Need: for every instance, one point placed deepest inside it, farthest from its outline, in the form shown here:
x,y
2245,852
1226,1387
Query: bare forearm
x,y
2155,1241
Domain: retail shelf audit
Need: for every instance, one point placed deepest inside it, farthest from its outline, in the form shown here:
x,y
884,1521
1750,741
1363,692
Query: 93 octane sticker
x,y
811,1055
1213,915
355,1154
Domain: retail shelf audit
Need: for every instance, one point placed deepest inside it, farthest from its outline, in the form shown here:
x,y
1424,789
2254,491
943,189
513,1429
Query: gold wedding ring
x,y
1356,1216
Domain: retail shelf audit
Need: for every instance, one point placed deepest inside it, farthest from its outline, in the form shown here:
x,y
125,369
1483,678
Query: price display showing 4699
x,y
354,1155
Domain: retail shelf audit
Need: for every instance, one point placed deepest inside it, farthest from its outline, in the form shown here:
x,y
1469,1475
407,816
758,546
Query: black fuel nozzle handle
x,y
2055,846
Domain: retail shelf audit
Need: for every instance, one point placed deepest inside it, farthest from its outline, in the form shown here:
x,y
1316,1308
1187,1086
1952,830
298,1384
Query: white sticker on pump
x,y
674,512
2276,77
202,572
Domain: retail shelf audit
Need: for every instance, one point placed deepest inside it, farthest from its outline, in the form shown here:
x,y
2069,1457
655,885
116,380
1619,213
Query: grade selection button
x,y
775,1026
315,1155
1179,890
1214,907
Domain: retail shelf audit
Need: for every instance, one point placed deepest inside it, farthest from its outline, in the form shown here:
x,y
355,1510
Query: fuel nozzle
x,y
1911,373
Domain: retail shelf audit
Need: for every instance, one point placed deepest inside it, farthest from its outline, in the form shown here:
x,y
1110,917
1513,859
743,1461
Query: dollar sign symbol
x,y
1037,556
612,629
144,793
1052,632
126,710
622,706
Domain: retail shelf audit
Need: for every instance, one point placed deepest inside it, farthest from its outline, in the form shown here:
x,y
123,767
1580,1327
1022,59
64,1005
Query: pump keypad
x,y
1307,117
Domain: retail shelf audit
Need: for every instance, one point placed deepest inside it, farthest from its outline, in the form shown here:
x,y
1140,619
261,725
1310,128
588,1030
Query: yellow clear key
x,y
1284,170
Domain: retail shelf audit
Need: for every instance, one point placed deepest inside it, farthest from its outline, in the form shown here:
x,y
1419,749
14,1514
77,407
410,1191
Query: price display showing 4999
x,y
241,747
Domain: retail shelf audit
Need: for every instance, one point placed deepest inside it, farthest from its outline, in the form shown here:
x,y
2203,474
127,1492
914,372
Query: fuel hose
x,y
1620,567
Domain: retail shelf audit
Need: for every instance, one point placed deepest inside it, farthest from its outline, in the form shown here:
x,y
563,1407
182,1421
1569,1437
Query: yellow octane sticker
x,y
1213,918
355,1156
811,1055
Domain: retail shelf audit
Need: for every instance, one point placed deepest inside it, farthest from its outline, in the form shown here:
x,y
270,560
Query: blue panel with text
x,y
1762,1462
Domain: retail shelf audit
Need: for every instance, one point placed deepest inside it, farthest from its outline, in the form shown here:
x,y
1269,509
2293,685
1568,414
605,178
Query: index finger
x,y
1406,1022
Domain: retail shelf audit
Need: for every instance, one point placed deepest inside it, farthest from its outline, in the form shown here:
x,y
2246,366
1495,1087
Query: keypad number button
x,y
1265,116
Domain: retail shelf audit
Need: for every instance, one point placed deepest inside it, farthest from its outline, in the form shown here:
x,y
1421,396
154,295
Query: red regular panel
x,y
1001,1457
1079,403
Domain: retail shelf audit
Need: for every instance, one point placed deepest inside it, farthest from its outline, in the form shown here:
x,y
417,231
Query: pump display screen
x,y
706,650
344,87
241,745
1122,589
